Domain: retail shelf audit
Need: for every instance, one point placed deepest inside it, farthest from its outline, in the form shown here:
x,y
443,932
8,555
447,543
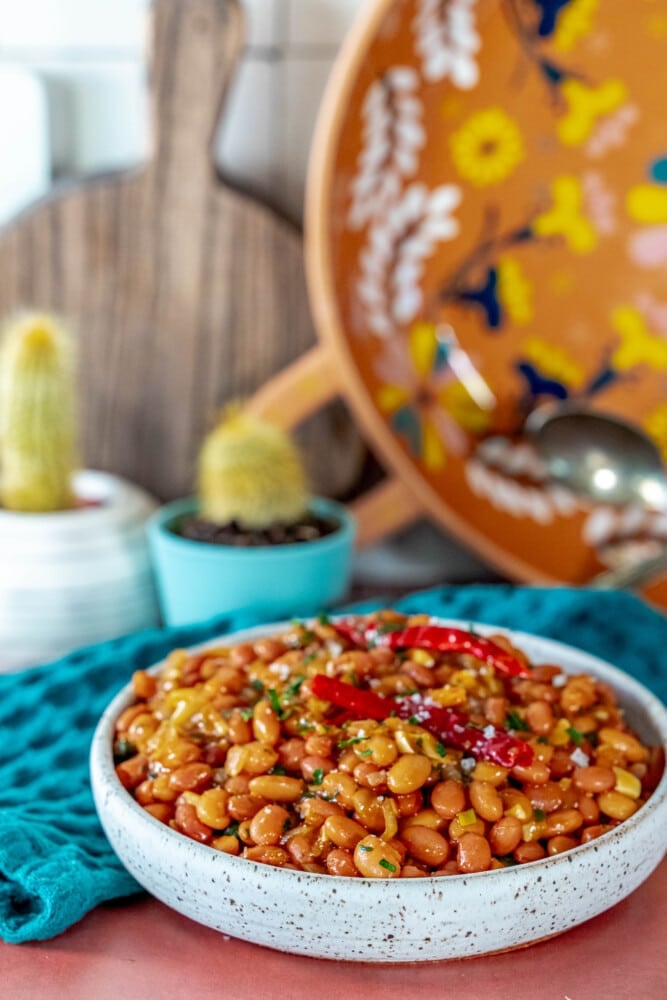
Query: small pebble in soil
x,y
309,529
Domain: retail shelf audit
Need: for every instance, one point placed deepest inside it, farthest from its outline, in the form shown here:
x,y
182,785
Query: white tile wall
x,y
320,22
25,162
89,53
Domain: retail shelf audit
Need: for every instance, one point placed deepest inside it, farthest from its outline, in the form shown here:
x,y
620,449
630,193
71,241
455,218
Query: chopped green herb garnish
x,y
514,721
307,636
575,735
231,830
246,714
275,700
543,740
296,684
365,753
257,685
318,776
413,720
539,815
365,847
387,864
420,742
593,738
123,750
507,860
278,769
351,742
309,658
441,750
323,618
386,627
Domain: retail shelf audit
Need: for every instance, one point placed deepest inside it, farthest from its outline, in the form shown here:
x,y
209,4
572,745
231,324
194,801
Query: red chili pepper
x,y
440,639
447,724
354,633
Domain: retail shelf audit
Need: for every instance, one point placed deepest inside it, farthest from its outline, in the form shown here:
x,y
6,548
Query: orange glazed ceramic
x,y
487,230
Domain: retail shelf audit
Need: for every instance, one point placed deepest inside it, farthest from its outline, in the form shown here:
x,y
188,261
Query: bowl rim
x,y
625,686
160,522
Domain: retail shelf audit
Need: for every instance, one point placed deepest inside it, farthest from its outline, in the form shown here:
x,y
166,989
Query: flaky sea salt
x,y
579,758
489,731
468,764
559,681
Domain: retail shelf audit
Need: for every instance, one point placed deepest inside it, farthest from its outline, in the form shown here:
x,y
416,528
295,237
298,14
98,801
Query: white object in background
x,y
25,165
320,22
75,577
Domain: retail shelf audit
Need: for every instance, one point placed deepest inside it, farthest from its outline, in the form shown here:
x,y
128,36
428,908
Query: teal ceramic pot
x,y
197,580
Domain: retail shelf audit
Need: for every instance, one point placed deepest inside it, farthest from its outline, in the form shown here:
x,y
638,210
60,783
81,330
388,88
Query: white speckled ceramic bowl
x,y
402,920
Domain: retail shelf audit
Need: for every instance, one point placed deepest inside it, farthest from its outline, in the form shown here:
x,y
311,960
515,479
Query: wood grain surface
x,y
184,293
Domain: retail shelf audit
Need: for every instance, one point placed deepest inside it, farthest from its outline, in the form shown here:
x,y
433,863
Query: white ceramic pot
x,y
75,577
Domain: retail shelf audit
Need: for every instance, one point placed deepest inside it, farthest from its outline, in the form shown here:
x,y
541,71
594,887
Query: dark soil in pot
x,y
309,529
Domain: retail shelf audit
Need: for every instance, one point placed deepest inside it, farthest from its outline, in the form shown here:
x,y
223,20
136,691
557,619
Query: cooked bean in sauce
x,y
382,746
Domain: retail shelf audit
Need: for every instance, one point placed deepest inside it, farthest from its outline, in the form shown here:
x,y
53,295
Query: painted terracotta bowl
x,y
399,920
487,233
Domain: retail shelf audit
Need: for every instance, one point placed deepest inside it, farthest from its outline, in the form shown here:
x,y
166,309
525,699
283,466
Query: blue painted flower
x,y
486,298
659,170
549,11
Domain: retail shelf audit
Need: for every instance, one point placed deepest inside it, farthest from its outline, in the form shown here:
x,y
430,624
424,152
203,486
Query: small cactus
x,y
250,472
37,416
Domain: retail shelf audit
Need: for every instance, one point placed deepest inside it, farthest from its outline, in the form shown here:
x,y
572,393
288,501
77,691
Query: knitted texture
x,y
55,862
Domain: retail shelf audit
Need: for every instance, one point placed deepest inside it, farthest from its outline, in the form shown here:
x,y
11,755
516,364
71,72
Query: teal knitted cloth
x,y
55,863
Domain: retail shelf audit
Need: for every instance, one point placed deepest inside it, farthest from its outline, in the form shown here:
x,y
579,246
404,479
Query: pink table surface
x,y
140,950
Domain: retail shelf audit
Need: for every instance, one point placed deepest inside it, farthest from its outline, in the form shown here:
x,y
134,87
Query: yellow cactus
x,y
38,454
250,472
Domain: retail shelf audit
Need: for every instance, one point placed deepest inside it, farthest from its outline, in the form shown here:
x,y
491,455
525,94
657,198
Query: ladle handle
x,y
632,575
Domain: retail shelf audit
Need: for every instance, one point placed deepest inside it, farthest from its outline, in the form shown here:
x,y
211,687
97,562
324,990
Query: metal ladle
x,y
605,459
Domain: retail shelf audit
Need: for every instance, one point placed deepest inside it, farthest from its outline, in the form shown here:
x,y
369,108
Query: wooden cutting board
x,y
183,293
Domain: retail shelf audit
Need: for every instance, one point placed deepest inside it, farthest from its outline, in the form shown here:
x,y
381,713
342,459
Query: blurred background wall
x,y
72,93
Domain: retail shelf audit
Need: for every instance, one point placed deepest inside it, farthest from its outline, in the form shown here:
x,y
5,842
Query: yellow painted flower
x,y
424,347
647,203
411,402
638,346
425,402
585,106
464,409
433,454
574,23
487,148
656,426
565,218
553,362
514,290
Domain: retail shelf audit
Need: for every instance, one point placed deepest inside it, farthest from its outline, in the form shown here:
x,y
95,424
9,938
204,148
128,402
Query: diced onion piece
x,y
467,818
390,821
627,783
421,656
533,830
520,811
